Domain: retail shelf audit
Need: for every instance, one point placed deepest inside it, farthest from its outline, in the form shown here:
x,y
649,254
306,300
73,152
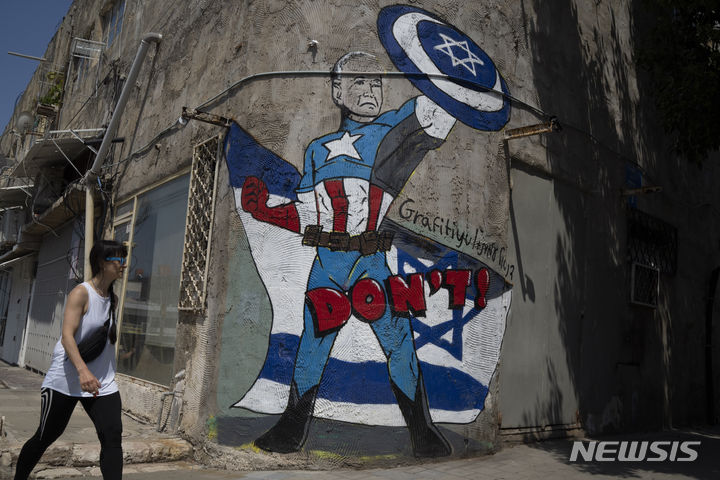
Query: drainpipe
x,y
94,171
89,220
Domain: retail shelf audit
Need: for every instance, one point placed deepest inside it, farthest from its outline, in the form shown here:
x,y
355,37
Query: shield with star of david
x,y
446,65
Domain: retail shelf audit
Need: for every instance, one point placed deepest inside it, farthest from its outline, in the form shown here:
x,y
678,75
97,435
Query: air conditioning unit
x,y
10,224
644,285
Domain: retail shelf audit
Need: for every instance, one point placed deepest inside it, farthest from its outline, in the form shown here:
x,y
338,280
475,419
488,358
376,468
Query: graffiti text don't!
x,y
368,299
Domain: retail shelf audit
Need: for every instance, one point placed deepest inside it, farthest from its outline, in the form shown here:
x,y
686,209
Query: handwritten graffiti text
x,y
459,237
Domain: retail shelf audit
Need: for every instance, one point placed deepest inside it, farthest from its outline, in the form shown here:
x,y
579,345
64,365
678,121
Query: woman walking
x,y
83,367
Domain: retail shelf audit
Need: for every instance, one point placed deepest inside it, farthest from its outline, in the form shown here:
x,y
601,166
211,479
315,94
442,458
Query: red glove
x,y
254,199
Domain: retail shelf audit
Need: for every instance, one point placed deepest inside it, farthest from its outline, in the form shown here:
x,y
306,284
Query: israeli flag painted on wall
x,y
458,350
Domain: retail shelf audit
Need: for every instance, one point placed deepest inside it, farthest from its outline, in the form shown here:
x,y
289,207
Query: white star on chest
x,y
342,146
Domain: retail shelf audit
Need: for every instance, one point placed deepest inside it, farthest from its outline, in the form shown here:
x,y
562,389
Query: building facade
x,y
367,229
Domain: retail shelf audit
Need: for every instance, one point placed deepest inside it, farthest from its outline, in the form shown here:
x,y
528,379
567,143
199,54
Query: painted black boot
x,y
289,433
427,441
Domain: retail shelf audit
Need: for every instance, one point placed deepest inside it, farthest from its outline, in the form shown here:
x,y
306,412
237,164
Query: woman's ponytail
x,y
112,333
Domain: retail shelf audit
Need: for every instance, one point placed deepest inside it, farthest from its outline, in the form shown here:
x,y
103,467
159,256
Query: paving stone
x,y
160,467
85,454
58,473
94,472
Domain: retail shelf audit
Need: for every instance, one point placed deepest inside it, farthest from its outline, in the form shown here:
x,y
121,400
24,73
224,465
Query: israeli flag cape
x,y
458,350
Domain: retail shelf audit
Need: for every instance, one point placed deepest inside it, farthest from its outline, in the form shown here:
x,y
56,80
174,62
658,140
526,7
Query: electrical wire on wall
x,y
178,124
538,112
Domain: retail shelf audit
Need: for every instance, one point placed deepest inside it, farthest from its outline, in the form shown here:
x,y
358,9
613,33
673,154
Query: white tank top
x,y
62,374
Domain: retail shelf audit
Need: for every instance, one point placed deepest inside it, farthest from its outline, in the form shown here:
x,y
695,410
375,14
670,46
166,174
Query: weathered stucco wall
x,y
565,232
457,197
590,356
544,216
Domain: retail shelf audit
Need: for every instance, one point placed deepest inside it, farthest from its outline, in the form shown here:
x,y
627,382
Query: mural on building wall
x,y
372,323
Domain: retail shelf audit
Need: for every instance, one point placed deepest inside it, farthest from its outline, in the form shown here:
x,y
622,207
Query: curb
x,y
46,472
64,454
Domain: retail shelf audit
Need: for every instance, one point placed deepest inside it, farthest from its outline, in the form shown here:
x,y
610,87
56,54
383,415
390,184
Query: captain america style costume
x,y
348,202
350,179
343,172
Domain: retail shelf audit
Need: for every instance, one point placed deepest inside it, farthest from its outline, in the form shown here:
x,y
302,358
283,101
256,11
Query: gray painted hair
x,y
368,59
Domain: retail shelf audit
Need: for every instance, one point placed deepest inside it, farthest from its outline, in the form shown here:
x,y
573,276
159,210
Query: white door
x,y
56,276
19,301
5,285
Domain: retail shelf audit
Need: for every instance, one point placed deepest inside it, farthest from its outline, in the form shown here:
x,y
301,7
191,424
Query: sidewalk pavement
x,y
20,404
544,460
78,446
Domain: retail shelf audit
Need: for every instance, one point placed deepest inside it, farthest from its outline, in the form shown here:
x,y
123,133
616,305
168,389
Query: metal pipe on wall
x,y
94,171
89,218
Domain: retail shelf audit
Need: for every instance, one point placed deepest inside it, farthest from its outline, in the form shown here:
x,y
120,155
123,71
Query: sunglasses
x,y
122,260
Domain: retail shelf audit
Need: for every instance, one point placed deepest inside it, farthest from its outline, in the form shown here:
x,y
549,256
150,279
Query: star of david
x,y
342,146
468,62
460,317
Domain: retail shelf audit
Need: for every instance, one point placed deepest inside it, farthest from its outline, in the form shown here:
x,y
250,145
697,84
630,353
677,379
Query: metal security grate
x,y
198,229
651,241
645,285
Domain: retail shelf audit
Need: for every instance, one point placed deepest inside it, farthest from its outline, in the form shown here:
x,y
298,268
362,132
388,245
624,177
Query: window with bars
x,y
85,56
644,285
112,22
651,250
198,232
651,241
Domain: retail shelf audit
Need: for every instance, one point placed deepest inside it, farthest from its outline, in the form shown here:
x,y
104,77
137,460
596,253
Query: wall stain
x,y
212,431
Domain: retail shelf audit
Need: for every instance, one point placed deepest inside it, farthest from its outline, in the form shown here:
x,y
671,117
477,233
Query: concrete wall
x,y
544,215
458,190
603,362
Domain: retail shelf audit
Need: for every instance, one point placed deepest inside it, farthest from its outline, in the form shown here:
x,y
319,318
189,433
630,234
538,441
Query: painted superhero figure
x,y
350,179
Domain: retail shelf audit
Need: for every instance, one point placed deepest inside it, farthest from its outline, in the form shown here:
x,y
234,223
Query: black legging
x,y
55,411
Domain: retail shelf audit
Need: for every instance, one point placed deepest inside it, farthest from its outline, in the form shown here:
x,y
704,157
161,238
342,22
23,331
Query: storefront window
x,y
155,232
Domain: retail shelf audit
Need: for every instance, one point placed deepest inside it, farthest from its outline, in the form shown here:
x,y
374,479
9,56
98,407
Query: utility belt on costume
x,y
366,243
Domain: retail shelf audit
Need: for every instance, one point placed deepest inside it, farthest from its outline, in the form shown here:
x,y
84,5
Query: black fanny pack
x,y
93,345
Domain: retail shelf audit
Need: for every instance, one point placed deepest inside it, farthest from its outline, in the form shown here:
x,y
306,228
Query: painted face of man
x,y
361,96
